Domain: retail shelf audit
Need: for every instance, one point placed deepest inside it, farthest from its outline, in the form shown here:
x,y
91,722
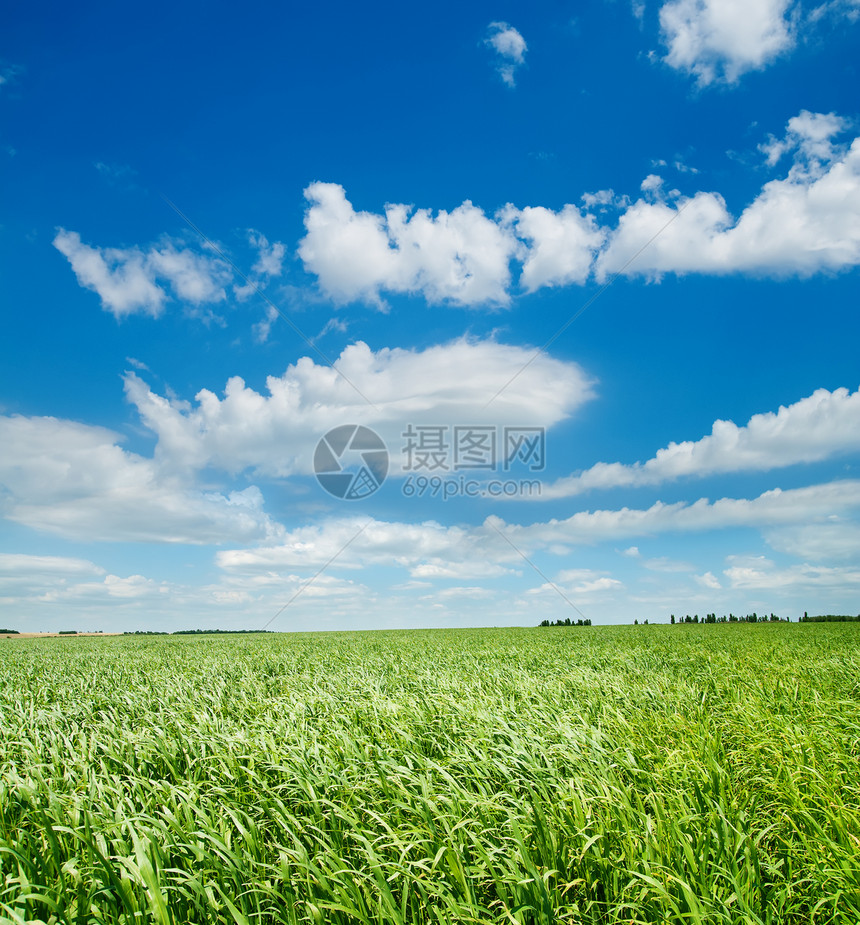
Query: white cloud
x,y
511,48
561,245
130,280
804,223
442,568
708,580
268,264
835,9
72,479
427,550
270,257
120,277
797,226
818,427
775,508
111,589
461,256
582,591
809,136
719,40
50,579
651,184
262,329
194,278
597,584
765,577
276,434
472,594
837,539
581,581
604,199
19,565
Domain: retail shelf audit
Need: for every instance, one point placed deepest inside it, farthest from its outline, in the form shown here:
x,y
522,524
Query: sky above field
x,y
575,285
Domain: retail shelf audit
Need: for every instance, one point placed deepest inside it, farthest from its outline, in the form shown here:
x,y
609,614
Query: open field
x,y
606,775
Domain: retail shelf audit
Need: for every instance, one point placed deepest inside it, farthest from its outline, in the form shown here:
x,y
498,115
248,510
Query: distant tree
x,y
672,619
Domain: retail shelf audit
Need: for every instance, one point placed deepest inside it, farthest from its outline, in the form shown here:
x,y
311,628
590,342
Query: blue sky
x,y
632,230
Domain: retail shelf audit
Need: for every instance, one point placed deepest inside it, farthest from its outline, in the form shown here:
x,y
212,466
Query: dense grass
x,y
650,774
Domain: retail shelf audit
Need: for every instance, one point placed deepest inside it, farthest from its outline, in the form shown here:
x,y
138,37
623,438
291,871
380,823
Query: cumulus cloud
x,y
720,40
560,245
194,278
74,480
809,136
461,256
709,580
583,581
275,433
805,222
509,46
818,427
131,280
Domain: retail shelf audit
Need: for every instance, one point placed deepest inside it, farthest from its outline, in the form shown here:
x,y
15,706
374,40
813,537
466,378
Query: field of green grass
x,y
648,774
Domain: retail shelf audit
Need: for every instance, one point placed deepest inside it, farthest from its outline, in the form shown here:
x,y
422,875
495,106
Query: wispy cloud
x,y
130,280
510,48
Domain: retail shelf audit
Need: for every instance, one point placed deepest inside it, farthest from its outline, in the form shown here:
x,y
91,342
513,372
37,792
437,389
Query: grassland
x,y
605,775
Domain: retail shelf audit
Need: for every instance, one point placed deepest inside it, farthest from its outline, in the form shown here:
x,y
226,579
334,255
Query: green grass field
x,y
614,774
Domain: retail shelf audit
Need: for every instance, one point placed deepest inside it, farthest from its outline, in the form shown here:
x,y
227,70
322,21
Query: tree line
x,y
567,622
725,618
731,618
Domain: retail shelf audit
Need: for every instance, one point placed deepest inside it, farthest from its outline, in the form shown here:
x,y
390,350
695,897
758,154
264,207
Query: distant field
x,y
648,774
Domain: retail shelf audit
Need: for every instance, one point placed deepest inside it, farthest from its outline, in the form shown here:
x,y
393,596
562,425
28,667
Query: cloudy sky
x,y
588,270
